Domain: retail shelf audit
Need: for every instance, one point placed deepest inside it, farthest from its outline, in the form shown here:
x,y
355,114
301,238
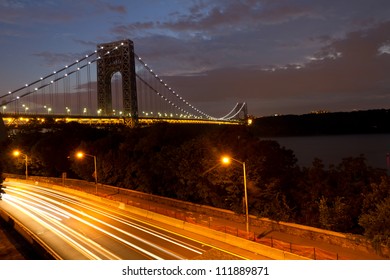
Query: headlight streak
x,y
110,234
149,231
65,228
139,227
66,238
54,208
28,205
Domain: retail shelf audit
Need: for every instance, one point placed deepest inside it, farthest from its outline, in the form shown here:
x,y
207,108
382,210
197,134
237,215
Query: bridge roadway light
x,y
25,108
17,153
226,160
48,109
80,155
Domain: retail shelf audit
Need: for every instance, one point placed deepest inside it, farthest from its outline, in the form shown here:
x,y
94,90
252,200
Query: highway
x,y
77,228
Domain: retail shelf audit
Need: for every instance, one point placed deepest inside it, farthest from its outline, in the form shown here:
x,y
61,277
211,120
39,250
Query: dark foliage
x,y
357,122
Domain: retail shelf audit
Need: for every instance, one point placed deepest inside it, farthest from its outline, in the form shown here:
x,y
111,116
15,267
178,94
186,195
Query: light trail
x,y
102,230
66,238
40,200
123,221
66,229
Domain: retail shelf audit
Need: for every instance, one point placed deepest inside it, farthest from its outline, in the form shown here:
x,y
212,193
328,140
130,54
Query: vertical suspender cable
x,y
78,91
89,104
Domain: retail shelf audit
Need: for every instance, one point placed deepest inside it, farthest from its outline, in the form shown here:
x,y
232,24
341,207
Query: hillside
x,y
356,122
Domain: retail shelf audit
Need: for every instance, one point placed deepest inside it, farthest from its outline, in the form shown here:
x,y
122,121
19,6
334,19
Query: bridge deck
x,y
26,119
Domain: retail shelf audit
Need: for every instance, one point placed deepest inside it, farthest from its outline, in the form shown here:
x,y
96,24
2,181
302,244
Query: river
x,y
333,148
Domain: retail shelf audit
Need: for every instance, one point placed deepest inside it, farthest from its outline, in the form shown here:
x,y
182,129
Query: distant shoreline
x,y
323,124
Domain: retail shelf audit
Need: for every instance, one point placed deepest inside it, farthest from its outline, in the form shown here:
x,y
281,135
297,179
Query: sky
x,y
278,56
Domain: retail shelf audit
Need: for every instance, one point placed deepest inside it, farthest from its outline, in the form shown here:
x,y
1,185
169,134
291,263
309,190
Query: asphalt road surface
x,y
78,228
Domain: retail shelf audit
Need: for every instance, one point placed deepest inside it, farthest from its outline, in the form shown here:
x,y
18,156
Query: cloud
x,y
89,44
120,9
214,34
219,16
51,59
46,11
103,7
346,70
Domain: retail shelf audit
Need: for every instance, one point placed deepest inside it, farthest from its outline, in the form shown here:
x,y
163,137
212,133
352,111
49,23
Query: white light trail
x,y
66,238
83,214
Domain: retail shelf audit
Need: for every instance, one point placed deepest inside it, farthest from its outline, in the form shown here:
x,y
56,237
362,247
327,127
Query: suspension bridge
x,y
111,85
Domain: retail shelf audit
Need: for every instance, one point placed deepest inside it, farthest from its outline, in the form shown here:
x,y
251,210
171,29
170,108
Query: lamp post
x,y
226,160
81,155
17,153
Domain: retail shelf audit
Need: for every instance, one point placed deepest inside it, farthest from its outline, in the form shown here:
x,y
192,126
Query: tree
x,y
375,217
312,186
333,215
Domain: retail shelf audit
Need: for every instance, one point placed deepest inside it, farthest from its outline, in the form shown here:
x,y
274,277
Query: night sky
x,y
280,56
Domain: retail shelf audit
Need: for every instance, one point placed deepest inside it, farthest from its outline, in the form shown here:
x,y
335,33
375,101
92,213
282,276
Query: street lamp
x,y
81,155
226,161
17,153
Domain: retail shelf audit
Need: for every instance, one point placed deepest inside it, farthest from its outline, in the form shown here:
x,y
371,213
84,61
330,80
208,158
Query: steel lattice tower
x,y
115,59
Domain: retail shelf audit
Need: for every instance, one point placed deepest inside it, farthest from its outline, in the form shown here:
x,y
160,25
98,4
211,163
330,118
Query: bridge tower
x,y
241,111
113,60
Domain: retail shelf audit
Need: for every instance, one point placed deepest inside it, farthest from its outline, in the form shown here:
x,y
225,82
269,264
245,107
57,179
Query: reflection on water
x,y
332,149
